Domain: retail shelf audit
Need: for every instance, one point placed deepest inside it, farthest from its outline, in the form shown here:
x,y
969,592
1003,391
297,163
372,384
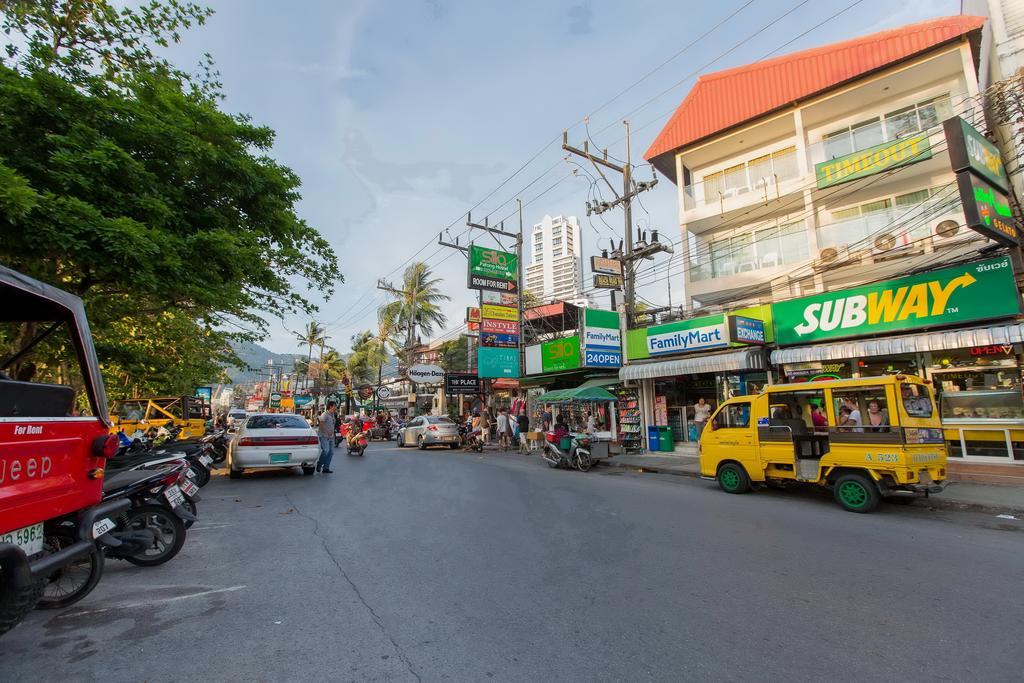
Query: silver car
x,y
429,430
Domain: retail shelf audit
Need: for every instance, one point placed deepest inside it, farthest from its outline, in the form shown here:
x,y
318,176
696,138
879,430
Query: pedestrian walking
x,y
504,430
325,432
522,427
485,425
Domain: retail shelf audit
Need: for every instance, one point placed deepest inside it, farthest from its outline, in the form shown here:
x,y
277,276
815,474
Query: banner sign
x,y
499,299
710,332
560,354
500,326
462,383
986,209
492,263
969,150
473,327
473,314
499,340
964,293
205,393
426,374
365,391
873,160
608,266
497,362
746,330
602,339
608,281
303,400
494,284
492,312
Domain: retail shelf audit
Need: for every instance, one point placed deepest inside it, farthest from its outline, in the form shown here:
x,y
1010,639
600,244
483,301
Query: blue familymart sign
x,y
688,335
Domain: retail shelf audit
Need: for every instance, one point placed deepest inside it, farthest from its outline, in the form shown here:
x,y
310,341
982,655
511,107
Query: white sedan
x,y
273,440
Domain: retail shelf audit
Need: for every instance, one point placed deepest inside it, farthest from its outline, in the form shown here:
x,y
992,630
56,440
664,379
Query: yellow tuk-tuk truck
x,y
866,439
141,414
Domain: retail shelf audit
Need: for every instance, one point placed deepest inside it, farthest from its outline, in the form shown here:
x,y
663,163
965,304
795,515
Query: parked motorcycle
x,y
140,450
569,452
474,441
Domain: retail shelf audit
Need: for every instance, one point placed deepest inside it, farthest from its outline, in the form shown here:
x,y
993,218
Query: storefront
x,y
975,368
675,365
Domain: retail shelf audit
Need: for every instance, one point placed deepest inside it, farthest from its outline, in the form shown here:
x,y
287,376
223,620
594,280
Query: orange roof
x,y
724,99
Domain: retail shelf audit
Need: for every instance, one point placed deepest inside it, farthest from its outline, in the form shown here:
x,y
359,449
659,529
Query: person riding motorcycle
x,y
355,428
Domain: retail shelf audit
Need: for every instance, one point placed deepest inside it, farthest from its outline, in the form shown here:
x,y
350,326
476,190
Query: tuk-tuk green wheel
x,y
732,478
856,493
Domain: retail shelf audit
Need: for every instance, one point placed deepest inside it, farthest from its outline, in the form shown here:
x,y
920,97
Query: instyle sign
x,y
492,312
688,335
608,266
746,330
986,209
426,374
969,150
493,263
497,362
964,293
499,327
873,160
493,284
462,383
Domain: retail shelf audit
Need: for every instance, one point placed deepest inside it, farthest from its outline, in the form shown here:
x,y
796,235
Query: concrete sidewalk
x,y
958,496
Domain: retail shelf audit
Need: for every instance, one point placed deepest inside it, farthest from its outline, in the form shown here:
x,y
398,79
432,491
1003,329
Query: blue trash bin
x,y
653,439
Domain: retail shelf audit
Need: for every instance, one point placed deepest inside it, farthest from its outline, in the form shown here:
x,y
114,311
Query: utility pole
x,y
625,199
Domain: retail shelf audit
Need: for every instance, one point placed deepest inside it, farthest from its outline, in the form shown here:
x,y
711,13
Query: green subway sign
x,y
492,263
873,160
969,150
969,292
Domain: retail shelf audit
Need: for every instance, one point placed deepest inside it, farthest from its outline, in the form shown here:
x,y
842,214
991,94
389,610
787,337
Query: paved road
x,y
407,565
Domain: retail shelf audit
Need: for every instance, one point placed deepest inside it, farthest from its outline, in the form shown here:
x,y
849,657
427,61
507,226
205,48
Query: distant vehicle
x,y
273,440
188,413
236,416
429,430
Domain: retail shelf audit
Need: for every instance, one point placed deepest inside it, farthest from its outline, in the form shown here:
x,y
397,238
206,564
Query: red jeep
x,y
54,439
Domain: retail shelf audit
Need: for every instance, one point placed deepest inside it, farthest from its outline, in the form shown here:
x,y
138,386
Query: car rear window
x,y
440,421
276,422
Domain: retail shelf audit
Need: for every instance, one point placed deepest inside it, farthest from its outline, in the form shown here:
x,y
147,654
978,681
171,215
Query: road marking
x,y
150,603
210,526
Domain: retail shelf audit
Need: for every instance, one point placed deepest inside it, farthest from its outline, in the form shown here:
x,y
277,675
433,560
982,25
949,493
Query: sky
x,y
400,116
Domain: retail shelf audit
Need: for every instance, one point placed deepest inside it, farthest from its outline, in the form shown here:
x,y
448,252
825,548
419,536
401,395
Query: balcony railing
x,y
888,228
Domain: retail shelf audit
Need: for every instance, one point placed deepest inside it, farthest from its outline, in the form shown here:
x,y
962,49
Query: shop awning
x,y
892,346
504,384
746,359
582,393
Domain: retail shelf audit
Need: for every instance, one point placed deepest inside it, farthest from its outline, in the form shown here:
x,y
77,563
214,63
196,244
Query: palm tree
x,y
416,304
313,335
332,365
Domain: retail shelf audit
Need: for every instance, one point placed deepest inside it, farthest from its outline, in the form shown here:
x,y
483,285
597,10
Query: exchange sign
x,y
493,263
969,292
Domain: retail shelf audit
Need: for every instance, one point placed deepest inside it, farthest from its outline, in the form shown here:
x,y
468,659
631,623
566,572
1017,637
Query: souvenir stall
x,y
572,405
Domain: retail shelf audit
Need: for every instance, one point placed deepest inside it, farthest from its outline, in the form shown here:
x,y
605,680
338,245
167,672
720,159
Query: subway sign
x,y
964,293
873,160
969,150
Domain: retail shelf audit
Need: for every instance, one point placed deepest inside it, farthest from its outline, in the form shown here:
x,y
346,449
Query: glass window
x,y
807,405
766,243
761,173
793,242
784,163
877,205
743,252
864,409
838,144
992,393
845,214
42,353
911,198
714,186
901,122
733,416
721,258
440,420
736,178
916,401
867,134
935,111
276,422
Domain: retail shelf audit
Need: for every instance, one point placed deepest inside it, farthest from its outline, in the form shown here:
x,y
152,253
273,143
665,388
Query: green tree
x,y
122,183
455,354
417,305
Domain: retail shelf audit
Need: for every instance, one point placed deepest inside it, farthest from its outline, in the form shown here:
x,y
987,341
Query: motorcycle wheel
x,y
69,584
582,461
169,530
15,604
202,477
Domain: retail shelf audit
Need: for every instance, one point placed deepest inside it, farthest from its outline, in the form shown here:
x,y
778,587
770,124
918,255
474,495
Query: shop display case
x,y
629,420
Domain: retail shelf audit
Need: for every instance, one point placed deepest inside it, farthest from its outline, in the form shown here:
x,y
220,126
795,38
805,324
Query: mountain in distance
x,y
256,357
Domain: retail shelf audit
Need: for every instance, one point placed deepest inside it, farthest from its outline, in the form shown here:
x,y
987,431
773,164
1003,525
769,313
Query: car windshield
x,y
276,422
440,421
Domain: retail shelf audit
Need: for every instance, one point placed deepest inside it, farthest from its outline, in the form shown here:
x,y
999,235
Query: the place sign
x,y
986,209
608,266
873,160
970,150
602,281
493,284
462,383
493,263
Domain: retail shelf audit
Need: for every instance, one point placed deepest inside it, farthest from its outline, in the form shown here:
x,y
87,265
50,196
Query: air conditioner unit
x,y
832,255
886,242
947,228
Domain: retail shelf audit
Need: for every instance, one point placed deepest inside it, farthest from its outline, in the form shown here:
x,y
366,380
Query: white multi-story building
x,y
556,269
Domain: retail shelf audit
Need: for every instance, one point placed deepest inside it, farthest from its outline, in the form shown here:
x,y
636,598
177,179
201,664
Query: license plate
x,y
926,477
280,457
29,539
205,459
189,488
174,495
190,474
101,527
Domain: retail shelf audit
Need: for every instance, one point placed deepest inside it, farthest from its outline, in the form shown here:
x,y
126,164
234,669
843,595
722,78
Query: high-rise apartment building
x,y
556,269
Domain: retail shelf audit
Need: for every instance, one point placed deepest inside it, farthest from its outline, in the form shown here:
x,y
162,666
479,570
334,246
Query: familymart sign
x,y
974,291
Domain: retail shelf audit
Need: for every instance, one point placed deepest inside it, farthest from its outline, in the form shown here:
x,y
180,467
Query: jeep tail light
x,y
106,446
